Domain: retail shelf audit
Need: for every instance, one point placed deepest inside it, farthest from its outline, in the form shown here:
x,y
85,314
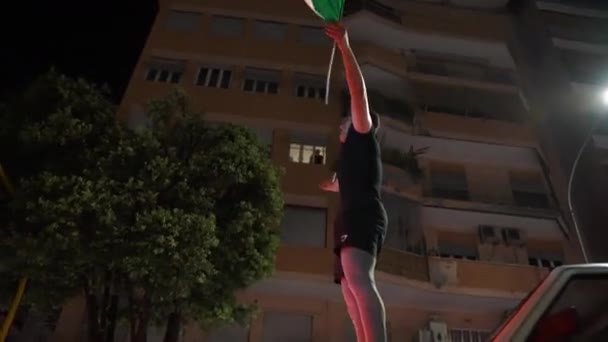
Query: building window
x,y
214,77
137,117
528,190
165,70
269,30
313,36
261,81
183,21
309,86
227,26
308,148
545,259
232,333
307,154
467,335
449,183
304,226
449,249
265,135
286,326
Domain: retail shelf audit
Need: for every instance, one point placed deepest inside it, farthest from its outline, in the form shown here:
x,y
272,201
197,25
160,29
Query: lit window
x,y
307,154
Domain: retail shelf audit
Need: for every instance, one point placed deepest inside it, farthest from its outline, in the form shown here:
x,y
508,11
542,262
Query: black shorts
x,y
371,242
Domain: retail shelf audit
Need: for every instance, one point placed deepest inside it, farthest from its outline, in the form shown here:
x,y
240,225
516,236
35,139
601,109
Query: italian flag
x,y
329,11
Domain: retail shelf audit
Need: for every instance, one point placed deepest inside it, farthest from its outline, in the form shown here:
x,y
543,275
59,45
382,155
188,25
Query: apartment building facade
x,y
562,58
474,220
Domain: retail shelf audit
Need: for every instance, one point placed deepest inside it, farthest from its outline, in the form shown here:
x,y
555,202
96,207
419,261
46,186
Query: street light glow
x,y
605,97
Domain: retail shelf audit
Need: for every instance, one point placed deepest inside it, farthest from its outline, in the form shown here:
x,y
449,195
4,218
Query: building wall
x,y
489,155
562,127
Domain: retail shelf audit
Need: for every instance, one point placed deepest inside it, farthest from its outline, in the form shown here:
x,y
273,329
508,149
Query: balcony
x,y
404,264
388,59
463,71
462,152
376,7
589,8
431,34
467,216
475,129
476,275
584,29
466,74
488,5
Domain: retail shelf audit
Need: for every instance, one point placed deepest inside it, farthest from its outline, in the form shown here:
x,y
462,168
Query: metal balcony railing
x,y
353,6
585,4
474,73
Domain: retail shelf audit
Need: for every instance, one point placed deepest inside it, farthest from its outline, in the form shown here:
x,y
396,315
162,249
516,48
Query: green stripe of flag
x,y
328,10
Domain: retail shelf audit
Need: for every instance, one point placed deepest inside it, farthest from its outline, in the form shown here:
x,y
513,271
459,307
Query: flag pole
x,y
331,62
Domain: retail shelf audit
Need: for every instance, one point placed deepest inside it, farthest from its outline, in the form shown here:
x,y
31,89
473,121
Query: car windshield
x,y
512,313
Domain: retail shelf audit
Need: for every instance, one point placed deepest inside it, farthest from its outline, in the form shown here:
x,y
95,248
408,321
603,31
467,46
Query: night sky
x,y
98,40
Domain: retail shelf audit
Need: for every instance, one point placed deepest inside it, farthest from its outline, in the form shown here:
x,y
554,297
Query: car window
x,y
579,312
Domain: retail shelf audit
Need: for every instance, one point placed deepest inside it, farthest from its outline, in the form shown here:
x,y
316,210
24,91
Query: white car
x,y
569,305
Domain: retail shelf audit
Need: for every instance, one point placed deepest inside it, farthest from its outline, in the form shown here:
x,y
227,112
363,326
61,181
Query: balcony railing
x,y
404,264
463,71
589,35
353,6
485,275
585,4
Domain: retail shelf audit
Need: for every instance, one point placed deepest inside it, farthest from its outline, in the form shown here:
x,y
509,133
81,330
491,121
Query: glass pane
x,y
294,153
300,91
260,86
307,152
202,76
273,87
175,77
164,75
226,79
151,74
214,78
248,85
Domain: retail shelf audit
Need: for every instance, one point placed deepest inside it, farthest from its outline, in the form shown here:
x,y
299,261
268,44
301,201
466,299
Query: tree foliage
x,y
171,218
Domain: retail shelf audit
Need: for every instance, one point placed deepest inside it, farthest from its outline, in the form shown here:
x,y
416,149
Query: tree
x,y
174,216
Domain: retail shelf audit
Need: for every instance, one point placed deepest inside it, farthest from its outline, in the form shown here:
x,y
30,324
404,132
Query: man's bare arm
x,y
361,117
331,185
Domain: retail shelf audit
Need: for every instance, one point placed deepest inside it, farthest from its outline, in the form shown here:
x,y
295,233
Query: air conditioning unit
x,y
443,272
488,234
513,237
424,335
439,331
